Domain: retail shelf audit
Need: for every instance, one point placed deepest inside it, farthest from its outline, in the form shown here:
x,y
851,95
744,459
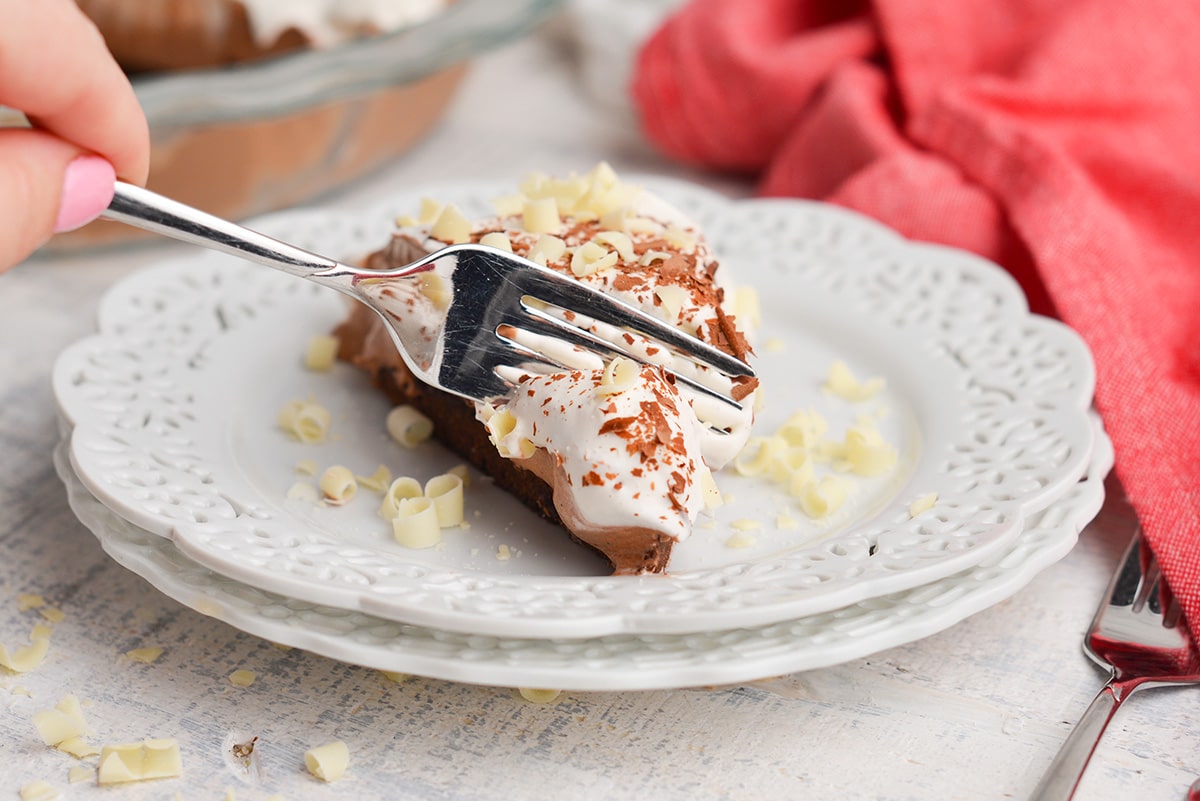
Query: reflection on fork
x,y
1139,634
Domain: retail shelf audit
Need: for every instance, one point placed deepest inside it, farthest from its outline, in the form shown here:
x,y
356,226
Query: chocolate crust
x,y
454,422
455,426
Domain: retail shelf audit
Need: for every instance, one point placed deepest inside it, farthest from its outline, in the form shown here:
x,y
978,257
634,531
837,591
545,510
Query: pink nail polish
x,y
87,191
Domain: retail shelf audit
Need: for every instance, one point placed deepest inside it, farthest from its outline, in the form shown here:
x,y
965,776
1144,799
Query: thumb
x,y
47,185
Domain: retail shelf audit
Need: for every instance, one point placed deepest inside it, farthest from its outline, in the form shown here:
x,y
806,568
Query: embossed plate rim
x,y
615,662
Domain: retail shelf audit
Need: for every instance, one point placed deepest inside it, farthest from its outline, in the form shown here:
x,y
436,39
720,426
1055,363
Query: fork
x,y
467,319
1139,634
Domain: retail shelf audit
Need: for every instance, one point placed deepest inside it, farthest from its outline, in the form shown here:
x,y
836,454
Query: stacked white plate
x,y
172,458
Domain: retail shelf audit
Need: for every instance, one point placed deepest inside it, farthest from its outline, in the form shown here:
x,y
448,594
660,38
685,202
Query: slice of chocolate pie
x,y
618,453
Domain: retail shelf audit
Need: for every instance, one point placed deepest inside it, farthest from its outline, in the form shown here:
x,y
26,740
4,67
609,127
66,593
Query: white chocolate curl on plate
x,y
401,489
378,481
321,353
338,485
867,453
307,421
922,504
823,498
446,493
408,426
416,523
841,382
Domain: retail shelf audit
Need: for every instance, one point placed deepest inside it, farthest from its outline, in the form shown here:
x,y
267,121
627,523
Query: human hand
x,y
87,126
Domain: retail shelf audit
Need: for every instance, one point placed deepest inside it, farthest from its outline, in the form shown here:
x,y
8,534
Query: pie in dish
x,y
619,453
148,35
231,132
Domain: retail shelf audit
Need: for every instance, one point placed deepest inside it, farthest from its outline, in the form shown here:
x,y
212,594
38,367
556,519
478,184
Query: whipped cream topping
x,y
328,22
636,462
632,457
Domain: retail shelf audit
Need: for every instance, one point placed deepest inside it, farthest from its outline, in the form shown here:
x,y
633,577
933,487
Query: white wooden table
x,y
975,712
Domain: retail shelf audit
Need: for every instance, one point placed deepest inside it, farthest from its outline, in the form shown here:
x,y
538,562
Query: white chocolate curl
x,y
416,523
307,421
378,481
619,375
618,241
841,382
401,489
867,452
328,762
451,226
446,493
549,247
25,658
408,426
61,723
591,257
321,353
922,504
498,240
430,209
824,497
338,485
541,216
39,790
135,762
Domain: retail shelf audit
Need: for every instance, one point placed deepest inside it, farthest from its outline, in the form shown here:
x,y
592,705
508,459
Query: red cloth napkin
x,y
1059,138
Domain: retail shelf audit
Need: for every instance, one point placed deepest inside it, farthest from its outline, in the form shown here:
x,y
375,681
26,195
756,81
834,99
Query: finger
x,y
48,185
55,68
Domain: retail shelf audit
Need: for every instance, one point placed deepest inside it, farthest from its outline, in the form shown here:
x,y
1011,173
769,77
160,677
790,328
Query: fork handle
x,y
1062,777
151,211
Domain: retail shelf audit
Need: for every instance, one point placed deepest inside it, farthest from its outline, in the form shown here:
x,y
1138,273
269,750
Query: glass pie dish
x,y
247,139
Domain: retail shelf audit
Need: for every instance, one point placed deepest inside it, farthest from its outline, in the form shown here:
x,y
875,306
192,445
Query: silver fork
x,y
467,318
1139,634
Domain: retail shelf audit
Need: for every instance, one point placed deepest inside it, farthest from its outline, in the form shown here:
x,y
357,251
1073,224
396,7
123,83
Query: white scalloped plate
x,y
173,404
619,662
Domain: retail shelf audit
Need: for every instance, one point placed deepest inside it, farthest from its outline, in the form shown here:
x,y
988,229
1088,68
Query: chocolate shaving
x,y
743,385
676,487
618,425
676,266
627,283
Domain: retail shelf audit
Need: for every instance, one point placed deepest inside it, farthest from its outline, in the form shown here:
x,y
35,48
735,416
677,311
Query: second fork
x,y
1137,633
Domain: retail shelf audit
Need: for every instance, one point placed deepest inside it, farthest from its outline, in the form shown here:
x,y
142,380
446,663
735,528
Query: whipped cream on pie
x,y
329,22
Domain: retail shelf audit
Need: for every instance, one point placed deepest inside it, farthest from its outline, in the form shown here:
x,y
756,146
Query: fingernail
x,y
87,191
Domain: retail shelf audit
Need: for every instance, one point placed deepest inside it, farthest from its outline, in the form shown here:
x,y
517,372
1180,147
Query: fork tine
x,y
495,375
539,322
1173,612
549,286
1148,586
